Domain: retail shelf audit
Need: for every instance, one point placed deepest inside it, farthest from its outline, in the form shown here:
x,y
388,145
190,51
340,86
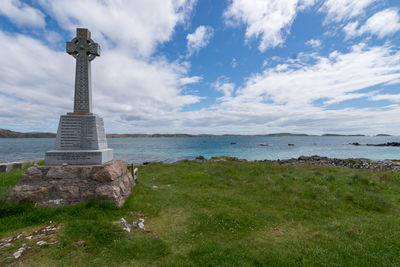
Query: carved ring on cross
x,y
78,48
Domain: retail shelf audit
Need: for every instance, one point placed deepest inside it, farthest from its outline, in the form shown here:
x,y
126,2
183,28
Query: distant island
x,y
198,135
343,135
11,134
285,134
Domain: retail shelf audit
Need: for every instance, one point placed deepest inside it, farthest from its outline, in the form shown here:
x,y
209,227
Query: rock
x,y
41,243
355,144
19,252
386,144
139,224
348,163
28,192
53,186
200,159
19,236
50,229
110,172
6,245
225,158
126,226
263,144
63,172
108,191
135,174
32,174
79,243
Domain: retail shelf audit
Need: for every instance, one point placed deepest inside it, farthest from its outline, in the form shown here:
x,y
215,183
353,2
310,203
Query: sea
x,y
171,149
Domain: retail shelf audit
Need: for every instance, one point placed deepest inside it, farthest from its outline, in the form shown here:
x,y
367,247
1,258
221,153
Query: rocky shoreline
x,y
354,163
397,144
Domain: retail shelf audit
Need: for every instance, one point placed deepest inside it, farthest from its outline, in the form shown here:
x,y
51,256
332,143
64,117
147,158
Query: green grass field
x,y
224,214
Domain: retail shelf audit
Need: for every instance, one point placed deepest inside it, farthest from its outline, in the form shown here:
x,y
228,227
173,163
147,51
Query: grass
x,y
226,214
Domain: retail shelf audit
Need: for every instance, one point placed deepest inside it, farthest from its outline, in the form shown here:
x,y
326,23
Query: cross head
x,y
83,45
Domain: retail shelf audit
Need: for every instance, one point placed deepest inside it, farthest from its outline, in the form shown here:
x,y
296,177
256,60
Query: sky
x,y
207,66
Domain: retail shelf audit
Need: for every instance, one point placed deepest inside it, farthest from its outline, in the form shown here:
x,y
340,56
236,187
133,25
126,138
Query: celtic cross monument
x,y
81,138
81,166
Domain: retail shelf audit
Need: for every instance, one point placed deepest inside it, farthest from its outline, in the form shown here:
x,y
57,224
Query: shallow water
x,y
138,150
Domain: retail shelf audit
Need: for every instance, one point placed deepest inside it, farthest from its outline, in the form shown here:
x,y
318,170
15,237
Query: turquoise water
x,y
165,149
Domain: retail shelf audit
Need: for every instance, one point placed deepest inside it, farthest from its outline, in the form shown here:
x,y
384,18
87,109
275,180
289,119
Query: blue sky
x,y
235,66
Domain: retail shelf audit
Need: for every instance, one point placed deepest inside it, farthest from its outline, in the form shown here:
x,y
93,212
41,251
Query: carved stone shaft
x,y
84,50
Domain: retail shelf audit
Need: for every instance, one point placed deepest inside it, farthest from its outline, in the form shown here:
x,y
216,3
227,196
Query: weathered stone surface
x,y
54,186
32,174
110,172
64,172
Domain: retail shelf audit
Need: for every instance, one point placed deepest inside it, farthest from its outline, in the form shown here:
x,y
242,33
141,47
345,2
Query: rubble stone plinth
x,y
53,186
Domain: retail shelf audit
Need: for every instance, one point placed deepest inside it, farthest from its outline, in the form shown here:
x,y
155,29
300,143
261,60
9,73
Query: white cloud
x,y
393,82
136,91
234,63
351,29
389,97
199,39
131,87
224,86
314,43
330,78
343,10
33,89
383,23
283,99
22,14
36,91
268,20
134,24
189,80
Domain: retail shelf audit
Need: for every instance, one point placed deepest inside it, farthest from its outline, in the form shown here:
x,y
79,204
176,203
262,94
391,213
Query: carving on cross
x,y
84,50
83,45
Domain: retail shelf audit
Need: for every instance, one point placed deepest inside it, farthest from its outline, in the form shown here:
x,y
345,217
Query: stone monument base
x,y
78,157
52,186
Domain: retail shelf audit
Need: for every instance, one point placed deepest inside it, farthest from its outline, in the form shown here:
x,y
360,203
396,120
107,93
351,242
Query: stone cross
x,y
84,50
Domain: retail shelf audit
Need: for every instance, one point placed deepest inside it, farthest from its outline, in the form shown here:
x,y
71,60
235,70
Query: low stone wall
x,y
355,163
8,166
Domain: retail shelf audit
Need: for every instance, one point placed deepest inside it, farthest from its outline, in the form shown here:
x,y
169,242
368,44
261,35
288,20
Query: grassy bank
x,y
225,214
